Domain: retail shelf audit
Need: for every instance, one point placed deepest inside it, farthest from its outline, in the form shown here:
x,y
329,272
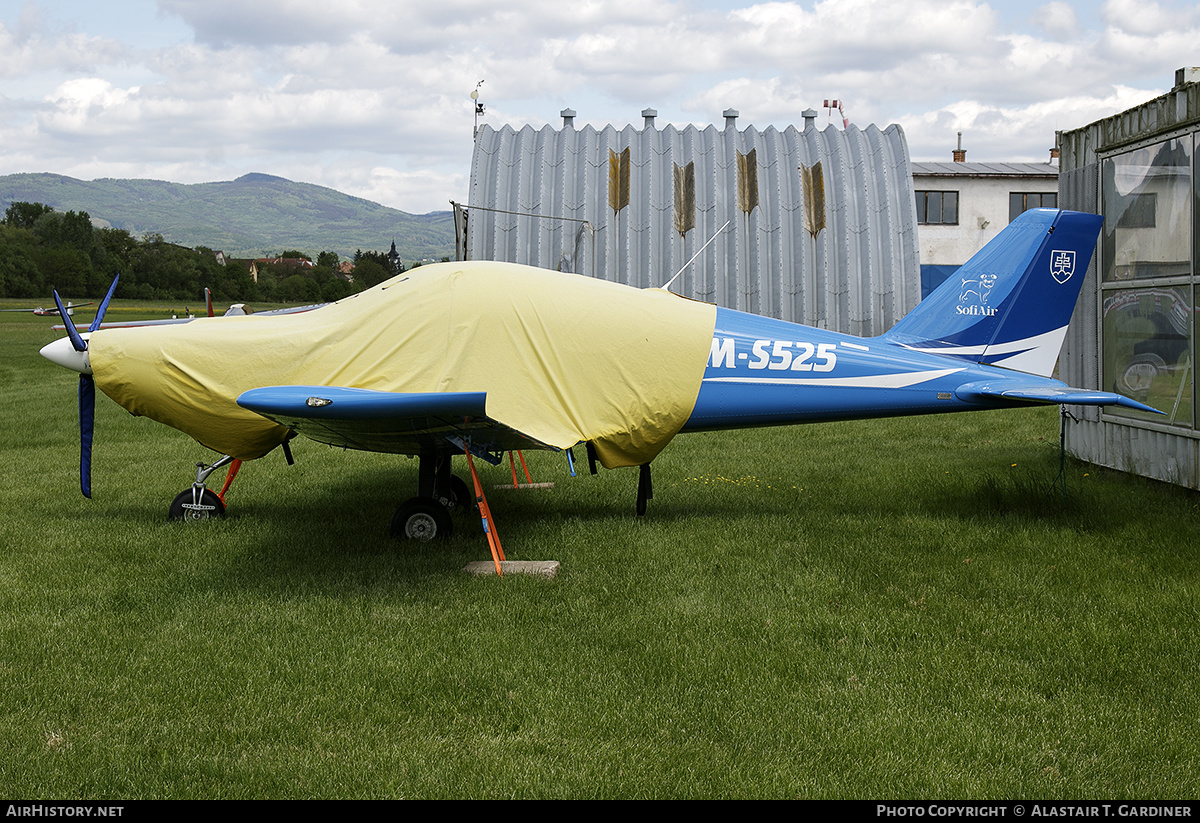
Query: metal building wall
x,y
542,197
1079,360
1136,446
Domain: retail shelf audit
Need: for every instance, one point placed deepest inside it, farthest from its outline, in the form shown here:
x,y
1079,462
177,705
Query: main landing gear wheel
x,y
422,518
189,506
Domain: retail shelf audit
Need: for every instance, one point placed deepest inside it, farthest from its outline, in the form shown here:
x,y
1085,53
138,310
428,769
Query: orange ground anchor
x,y
528,479
516,484
489,525
232,473
513,463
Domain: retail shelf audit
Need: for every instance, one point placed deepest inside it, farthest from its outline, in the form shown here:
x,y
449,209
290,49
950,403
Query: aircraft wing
x,y
1043,391
392,422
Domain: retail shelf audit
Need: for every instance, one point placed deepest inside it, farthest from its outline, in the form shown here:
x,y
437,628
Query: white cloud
x,y
383,184
30,48
1057,19
1141,36
1017,133
371,96
1148,19
88,106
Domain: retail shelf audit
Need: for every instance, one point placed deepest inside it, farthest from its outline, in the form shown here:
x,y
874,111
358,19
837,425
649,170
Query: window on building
x,y
1148,281
937,208
1146,196
1019,201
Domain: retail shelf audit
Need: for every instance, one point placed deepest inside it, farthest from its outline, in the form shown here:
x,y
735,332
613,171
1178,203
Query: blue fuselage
x,y
764,372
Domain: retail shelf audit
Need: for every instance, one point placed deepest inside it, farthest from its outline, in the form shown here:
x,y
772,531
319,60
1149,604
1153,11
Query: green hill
x,y
255,215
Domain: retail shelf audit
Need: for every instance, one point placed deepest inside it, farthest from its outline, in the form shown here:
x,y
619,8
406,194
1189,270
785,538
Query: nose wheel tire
x,y
193,508
422,518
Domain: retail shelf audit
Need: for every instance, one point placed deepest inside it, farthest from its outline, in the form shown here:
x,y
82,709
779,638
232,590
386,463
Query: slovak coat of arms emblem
x,y
1062,265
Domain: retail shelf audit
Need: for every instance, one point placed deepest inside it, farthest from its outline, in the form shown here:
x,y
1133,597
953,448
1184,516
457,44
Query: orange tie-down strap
x,y
489,525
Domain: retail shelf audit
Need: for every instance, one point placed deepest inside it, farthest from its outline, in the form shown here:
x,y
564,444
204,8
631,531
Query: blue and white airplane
x,y
987,338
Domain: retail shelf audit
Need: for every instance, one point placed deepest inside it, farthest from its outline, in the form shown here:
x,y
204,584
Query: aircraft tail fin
x,y
1010,304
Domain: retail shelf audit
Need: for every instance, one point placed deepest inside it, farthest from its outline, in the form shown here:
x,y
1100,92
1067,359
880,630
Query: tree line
x,y
43,249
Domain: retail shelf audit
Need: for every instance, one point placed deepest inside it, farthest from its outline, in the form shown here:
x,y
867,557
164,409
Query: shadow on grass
x,y
329,522
1023,494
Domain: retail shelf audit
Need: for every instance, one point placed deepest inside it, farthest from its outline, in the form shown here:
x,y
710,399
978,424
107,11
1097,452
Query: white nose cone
x,y
62,353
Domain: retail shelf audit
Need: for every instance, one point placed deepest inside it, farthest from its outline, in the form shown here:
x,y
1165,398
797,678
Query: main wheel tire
x,y
184,507
422,518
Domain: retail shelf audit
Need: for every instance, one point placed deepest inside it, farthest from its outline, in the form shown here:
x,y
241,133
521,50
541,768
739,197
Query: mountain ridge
x,y
255,215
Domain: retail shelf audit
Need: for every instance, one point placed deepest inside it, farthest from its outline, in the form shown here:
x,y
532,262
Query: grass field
x,y
908,608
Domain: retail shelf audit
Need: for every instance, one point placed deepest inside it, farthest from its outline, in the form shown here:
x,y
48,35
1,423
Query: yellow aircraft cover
x,y
563,358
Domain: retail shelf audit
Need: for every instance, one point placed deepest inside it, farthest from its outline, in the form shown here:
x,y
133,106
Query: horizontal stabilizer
x,y
1048,392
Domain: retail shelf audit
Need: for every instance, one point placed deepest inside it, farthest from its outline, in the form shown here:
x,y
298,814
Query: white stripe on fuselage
x,y
869,381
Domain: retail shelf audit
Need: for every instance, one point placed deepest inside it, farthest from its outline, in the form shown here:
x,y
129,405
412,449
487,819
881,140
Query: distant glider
x,y
479,358
44,312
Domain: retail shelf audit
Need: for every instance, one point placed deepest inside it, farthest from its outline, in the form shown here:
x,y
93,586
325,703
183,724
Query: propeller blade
x,y
76,341
99,318
87,425
87,386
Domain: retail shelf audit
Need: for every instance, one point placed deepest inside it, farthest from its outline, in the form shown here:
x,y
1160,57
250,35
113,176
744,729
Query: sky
x,y
372,97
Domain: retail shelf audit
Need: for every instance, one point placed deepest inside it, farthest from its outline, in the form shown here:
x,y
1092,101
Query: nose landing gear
x,y
200,502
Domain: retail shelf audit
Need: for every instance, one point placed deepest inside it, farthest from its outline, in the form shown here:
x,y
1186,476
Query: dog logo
x,y
977,289
1062,265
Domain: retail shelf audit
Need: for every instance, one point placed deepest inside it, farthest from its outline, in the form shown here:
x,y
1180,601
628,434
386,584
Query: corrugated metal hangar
x,y
811,225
